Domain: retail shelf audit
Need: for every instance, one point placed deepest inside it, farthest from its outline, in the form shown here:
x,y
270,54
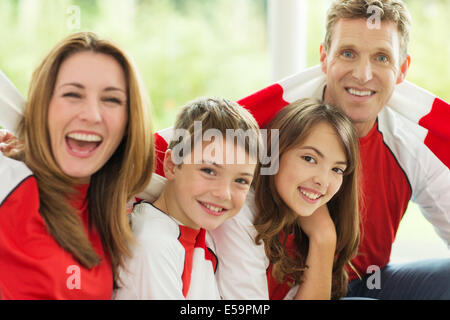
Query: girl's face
x,y
311,173
87,114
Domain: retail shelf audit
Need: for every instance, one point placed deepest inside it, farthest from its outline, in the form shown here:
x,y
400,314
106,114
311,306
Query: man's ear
x,y
169,165
403,71
323,58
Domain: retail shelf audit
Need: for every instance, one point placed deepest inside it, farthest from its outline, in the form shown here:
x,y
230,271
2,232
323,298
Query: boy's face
x,y
205,193
362,67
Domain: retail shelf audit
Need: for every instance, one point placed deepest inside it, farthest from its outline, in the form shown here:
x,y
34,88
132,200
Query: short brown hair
x,y
219,114
391,10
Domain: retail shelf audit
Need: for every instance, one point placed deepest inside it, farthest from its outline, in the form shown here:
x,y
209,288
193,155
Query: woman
x,y
88,148
300,227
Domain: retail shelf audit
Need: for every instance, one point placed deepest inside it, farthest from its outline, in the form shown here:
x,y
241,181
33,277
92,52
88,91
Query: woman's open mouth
x,y
82,145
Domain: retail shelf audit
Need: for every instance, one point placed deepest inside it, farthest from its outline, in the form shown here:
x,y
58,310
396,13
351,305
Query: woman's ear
x,y
169,165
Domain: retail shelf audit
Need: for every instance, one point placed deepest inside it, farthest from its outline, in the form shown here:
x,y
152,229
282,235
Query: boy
x,y
208,176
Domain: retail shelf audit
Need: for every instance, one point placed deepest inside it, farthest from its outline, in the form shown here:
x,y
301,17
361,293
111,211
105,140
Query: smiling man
x,y
363,62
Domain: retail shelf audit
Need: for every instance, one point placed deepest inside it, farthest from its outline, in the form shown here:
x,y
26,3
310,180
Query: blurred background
x,y
190,48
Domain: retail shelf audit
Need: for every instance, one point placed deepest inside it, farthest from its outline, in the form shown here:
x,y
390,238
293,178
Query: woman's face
x,y
311,172
87,114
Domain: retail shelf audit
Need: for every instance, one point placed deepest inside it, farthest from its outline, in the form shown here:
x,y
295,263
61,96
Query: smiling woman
x,y
87,113
86,132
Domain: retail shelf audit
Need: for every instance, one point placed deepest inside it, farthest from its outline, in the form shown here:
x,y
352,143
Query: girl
x,y
86,131
296,242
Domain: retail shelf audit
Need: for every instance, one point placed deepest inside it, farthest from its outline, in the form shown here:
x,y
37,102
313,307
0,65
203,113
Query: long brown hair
x,y
275,221
125,174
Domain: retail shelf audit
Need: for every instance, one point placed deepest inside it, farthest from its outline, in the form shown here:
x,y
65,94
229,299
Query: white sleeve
x,y
428,176
154,272
241,272
432,193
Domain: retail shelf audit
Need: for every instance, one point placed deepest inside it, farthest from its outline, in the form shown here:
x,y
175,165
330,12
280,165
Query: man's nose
x,y
362,71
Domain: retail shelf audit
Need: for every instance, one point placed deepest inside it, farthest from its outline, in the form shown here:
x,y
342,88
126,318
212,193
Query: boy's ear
x,y
169,165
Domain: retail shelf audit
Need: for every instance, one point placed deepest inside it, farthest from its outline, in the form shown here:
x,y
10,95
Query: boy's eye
x,y
309,159
242,181
208,171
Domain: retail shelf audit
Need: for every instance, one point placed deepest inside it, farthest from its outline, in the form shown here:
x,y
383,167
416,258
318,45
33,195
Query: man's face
x,y
362,66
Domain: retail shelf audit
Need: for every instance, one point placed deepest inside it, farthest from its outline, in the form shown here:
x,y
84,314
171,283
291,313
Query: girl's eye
x,y
338,170
309,159
208,171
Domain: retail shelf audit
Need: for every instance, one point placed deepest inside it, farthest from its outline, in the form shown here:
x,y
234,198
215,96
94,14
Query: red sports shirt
x,y
32,264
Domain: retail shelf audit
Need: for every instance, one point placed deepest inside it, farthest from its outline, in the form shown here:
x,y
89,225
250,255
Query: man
x,y
363,63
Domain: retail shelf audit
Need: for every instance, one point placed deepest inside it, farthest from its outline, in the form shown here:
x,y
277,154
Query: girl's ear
x,y
169,165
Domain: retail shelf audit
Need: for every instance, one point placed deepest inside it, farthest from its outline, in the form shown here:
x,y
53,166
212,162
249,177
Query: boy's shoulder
x,y
148,222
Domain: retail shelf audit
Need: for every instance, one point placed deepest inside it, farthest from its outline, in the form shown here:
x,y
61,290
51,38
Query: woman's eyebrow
x,y
114,89
75,84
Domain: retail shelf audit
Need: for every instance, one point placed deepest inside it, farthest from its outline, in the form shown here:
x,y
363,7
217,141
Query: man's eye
x,y
383,58
347,54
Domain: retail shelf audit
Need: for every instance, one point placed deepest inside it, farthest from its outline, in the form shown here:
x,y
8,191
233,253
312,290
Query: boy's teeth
x,y
359,93
85,137
312,196
216,209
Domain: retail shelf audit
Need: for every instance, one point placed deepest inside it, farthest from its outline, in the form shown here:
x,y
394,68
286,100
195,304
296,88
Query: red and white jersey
x,y
170,261
405,157
32,264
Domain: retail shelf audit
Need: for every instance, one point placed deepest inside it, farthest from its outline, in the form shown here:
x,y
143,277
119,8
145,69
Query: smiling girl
x,y
300,226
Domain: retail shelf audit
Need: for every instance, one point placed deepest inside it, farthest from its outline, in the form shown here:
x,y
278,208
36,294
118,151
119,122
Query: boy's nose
x,y
222,191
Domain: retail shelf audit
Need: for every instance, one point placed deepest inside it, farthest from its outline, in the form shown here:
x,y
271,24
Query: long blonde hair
x,y
125,174
275,222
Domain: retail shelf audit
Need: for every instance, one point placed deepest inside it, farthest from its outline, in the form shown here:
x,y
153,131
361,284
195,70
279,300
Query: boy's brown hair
x,y
218,114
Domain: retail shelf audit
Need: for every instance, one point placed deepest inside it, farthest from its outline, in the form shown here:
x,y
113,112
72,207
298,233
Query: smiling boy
x,y
171,258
